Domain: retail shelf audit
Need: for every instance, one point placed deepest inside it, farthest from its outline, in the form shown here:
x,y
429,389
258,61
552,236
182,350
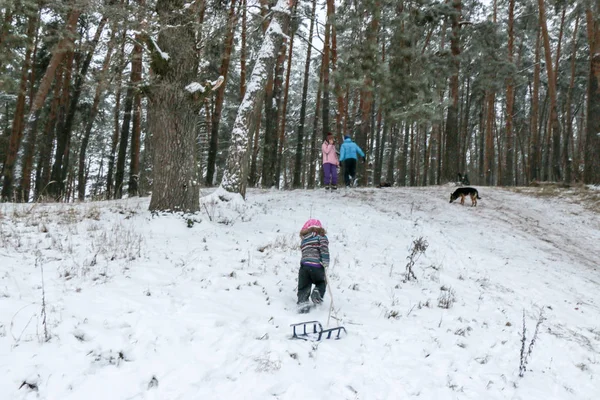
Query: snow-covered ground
x,y
144,307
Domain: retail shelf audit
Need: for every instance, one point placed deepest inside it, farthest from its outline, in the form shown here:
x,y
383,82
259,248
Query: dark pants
x,y
330,174
308,276
349,170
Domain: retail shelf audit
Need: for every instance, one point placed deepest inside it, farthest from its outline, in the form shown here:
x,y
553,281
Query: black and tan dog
x,y
463,192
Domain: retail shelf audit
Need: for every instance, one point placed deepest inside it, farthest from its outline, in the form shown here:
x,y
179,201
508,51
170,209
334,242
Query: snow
x,y
165,56
195,87
139,306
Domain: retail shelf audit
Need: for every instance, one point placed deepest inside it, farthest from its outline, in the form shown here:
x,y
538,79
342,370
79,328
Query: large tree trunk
x,y
591,173
554,124
58,53
451,154
173,104
510,98
220,96
297,182
235,174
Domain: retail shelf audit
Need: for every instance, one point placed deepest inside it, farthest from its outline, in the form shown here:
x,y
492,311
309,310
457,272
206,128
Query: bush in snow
x,y
418,247
446,298
524,358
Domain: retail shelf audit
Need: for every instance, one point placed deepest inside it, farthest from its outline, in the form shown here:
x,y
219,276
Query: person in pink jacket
x,y
330,162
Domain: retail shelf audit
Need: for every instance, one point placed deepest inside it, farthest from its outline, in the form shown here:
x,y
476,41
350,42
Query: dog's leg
x,y
473,200
462,199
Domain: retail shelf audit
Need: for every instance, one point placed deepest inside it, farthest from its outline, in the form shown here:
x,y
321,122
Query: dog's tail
x,y
478,196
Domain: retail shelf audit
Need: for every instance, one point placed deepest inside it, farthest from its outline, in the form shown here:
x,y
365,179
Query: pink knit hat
x,y
312,223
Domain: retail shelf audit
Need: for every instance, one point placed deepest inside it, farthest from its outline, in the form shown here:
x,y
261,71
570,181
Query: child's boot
x,y
316,297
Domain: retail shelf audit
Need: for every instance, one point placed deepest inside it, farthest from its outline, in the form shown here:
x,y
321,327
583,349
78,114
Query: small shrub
x,y
446,298
524,356
418,247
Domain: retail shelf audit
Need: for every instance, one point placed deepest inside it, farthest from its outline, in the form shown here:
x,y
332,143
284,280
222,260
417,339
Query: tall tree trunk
x,y
136,128
591,173
402,161
554,124
568,136
284,108
58,53
534,156
366,92
220,96
391,162
243,50
235,174
297,183
174,104
336,85
510,97
451,154
313,155
43,170
19,116
326,62
124,137
60,167
117,112
102,81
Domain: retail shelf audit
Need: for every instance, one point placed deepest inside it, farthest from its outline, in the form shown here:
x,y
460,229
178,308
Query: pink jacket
x,y
329,154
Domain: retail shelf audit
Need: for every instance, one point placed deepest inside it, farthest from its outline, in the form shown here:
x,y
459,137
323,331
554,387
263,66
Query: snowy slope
x,y
143,307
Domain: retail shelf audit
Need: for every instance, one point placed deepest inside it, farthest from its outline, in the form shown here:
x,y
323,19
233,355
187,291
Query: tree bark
x,y
243,50
554,124
284,108
568,136
451,154
534,156
591,173
510,97
117,113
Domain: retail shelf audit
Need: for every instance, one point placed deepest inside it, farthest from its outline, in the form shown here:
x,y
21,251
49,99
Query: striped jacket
x,y
315,250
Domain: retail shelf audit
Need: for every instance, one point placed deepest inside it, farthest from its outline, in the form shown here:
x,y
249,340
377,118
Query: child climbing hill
x,y
315,258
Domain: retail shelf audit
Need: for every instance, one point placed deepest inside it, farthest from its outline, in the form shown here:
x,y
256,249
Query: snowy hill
x,y
145,307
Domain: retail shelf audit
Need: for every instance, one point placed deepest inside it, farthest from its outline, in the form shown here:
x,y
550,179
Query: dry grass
x,y
575,193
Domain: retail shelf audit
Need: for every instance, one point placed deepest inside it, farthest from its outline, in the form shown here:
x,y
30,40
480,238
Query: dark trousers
x,y
308,276
330,174
349,170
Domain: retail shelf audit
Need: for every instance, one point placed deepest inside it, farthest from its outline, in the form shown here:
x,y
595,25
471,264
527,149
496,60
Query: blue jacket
x,y
349,149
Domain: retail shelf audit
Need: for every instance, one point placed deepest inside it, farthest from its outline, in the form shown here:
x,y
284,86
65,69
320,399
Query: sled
x,y
313,331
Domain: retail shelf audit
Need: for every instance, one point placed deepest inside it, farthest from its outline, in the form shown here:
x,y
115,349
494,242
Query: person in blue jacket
x,y
349,152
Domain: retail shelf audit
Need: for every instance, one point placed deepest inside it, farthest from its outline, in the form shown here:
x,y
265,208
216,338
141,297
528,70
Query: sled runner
x,y
313,331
